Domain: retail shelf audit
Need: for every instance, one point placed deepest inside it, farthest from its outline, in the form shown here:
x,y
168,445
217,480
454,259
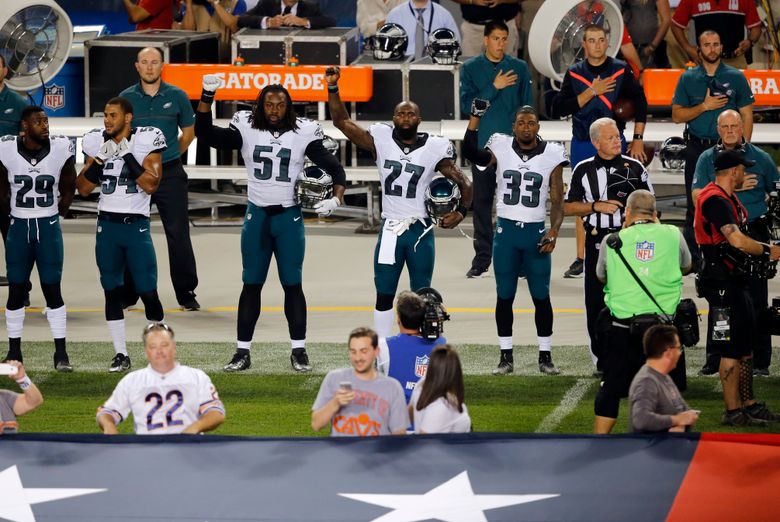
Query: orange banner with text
x,y
660,83
243,82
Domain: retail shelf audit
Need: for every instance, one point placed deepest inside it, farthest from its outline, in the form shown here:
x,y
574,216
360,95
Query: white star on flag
x,y
15,499
453,501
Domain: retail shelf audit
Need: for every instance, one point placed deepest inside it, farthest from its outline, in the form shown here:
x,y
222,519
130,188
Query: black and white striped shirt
x,y
597,179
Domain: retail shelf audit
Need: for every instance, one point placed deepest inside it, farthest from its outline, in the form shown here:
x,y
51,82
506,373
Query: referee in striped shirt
x,y
598,191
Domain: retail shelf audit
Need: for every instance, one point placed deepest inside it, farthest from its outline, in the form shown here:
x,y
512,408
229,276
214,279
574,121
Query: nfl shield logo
x,y
645,251
54,97
421,366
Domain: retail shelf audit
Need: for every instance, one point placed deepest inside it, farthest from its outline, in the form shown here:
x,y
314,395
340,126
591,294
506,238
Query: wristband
x,y
765,249
94,172
24,382
593,208
135,168
207,97
593,91
461,209
333,89
639,136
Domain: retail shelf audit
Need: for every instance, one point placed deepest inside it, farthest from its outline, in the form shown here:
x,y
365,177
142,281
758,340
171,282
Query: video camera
x,y
435,313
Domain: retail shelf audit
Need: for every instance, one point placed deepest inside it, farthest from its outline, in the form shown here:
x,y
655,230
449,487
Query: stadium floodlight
x,y
557,33
35,39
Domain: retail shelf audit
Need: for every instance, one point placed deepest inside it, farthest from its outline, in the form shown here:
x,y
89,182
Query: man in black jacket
x,y
272,14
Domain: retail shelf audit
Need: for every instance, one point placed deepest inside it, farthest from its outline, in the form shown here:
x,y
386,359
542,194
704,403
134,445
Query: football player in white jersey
x,y
38,174
527,170
126,164
274,144
407,162
166,397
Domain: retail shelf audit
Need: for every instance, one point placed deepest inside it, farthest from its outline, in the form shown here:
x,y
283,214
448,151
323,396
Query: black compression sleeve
x,y
316,152
94,172
135,168
217,137
472,152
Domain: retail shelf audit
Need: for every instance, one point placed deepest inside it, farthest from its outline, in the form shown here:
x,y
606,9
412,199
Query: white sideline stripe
x,y
571,398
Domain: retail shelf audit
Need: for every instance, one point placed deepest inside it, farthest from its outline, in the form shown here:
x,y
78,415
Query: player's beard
x,y
406,134
38,140
527,144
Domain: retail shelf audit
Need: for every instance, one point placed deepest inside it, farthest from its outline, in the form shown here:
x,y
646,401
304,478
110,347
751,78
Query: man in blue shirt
x,y
759,181
404,357
505,82
420,18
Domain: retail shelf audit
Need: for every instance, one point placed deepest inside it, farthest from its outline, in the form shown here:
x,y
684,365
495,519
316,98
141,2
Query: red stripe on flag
x,y
731,477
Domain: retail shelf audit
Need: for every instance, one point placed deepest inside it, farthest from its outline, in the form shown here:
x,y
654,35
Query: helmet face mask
x,y
313,186
390,42
441,197
672,153
443,47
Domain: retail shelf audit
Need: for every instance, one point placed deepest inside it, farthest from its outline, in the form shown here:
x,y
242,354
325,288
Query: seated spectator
x,y
648,22
420,18
166,397
150,14
437,402
201,15
13,405
655,403
371,14
404,357
273,14
359,401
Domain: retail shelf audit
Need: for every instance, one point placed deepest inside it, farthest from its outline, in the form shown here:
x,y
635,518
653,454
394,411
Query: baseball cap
x,y
727,159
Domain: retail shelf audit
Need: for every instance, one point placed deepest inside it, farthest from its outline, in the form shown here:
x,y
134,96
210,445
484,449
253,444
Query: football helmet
x,y
390,42
441,197
312,186
672,153
443,47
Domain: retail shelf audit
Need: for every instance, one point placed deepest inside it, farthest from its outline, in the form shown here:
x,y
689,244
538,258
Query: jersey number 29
x,y
43,185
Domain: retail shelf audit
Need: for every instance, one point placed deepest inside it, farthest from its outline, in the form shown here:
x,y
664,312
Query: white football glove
x,y
326,208
211,83
107,150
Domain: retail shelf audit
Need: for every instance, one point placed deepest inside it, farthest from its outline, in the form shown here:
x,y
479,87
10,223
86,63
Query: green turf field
x,y
271,400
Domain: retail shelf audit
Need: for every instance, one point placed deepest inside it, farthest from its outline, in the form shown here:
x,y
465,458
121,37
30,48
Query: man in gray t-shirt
x,y
358,401
13,405
655,403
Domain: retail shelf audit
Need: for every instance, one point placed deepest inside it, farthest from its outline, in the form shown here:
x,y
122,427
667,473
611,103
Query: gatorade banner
x,y
306,83
659,85
461,478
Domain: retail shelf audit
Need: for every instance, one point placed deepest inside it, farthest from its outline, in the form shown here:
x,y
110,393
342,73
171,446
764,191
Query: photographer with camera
x,y
642,267
729,258
405,356
759,182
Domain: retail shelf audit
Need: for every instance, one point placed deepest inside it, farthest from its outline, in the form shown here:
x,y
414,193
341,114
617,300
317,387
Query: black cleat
x,y
120,363
300,360
708,369
760,372
506,364
761,412
477,273
575,269
240,362
740,418
546,365
62,363
190,305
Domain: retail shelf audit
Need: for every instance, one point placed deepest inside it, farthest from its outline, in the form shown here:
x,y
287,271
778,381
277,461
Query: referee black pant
x,y
484,186
171,201
693,149
594,291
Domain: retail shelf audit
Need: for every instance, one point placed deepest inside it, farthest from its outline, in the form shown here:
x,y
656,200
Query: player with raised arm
x,y
407,162
527,170
126,164
274,143
37,175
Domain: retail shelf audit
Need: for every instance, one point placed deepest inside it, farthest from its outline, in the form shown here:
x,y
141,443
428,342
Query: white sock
x,y
14,321
545,343
244,345
117,331
298,343
57,320
383,322
505,343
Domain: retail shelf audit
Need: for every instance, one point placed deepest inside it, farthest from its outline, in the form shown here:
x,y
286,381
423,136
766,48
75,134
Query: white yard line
x,y
571,398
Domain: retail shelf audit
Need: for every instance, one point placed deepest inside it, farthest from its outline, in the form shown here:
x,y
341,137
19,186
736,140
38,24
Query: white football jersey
x,y
118,191
406,173
162,404
523,180
273,162
34,183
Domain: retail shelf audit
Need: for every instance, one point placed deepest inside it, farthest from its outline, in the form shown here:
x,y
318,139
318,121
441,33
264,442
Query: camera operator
x,y
657,256
405,356
759,182
728,256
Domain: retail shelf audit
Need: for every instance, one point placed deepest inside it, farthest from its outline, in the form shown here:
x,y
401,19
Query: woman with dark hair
x,y
437,402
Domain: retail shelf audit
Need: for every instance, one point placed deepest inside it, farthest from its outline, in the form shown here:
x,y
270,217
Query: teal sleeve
x,y
768,166
704,172
186,114
744,94
526,85
470,90
680,95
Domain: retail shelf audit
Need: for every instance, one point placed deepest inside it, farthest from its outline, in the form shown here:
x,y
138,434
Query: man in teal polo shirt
x,y
759,182
11,106
162,105
505,82
702,93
